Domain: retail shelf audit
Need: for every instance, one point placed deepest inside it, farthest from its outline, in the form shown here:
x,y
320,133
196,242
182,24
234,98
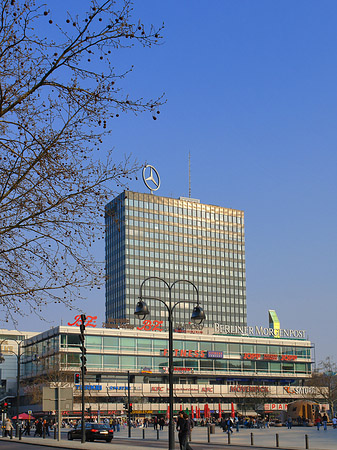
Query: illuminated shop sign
x,y
275,407
253,389
190,327
185,353
90,321
302,390
118,388
207,389
182,389
88,387
179,369
151,325
258,331
215,355
269,357
193,354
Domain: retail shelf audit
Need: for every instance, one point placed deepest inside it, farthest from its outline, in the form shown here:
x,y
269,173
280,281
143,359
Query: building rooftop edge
x,y
164,335
192,201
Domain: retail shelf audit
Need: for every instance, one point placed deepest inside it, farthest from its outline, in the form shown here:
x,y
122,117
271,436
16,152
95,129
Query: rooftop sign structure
x,y
151,178
258,331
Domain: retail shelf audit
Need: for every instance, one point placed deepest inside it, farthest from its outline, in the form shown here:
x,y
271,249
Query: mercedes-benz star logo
x,y
151,182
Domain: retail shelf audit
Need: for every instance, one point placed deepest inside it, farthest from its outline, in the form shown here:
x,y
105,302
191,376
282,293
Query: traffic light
x,y
77,378
130,407
82,344
5,407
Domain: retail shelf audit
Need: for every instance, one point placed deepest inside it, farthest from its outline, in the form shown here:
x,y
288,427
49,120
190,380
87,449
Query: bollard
x,y
143,433
54,432
277,440
251,439
229,437
157,434
208,434
306,441
20,433
11,433
44,433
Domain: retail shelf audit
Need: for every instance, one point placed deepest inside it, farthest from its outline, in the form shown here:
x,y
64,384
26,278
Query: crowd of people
x,y
183,424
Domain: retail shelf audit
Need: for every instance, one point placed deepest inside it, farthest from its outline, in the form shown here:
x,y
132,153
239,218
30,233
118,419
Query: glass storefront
x,y
127,351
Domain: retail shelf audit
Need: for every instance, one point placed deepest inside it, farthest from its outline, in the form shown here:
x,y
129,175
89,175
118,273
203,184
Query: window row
x,y
114,343
193,210
149,363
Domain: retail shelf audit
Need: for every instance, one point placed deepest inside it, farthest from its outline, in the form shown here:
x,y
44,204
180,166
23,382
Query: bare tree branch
x,y
59,100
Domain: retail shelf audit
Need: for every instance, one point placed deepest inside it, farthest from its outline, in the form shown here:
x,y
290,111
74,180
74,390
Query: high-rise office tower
x,y
175,239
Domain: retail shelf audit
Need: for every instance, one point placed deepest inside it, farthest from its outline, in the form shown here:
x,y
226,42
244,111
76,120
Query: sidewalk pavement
x,y
263,439
64,444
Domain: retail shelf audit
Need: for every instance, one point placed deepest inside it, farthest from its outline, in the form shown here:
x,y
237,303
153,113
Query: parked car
x,y
93,431
275,423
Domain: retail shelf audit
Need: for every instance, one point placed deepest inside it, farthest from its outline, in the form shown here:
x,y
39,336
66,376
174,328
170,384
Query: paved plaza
x,y
262,439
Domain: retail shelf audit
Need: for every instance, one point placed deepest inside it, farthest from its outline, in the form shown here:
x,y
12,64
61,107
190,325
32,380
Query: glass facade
x,y
116,352
151,236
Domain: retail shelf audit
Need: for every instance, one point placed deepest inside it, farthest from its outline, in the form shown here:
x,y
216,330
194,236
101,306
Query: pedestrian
x,y
334,422
155,423
27,428
289,423
183,426
236,422
191,426
39,427
161,423
8,427
325,421
229,425
46,428
318,422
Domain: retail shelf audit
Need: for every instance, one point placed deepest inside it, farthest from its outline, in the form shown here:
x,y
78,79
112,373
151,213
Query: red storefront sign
x,y
269,357
275,407
186,353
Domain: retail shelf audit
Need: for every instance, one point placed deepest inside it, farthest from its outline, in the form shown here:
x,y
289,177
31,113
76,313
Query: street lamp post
x,y
18,356
198,315
18,389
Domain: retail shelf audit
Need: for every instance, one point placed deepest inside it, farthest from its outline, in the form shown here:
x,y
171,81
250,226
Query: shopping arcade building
x,y
209,367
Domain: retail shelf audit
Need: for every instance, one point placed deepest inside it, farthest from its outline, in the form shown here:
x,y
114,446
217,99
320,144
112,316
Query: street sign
x,y
50,399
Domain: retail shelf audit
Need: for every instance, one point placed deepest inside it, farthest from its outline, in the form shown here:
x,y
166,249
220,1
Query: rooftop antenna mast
x,y
189,174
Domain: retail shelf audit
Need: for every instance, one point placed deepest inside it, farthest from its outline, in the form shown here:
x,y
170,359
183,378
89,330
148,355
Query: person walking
x,y
46,428
229,425
318,422
334,422
8,427
325,422
161,423
183,426
27,428
38,428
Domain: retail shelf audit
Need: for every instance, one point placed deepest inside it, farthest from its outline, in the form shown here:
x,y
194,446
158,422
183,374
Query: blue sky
x,y
251,93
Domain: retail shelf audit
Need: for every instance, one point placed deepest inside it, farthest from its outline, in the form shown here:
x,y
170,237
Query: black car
x,y
93,431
